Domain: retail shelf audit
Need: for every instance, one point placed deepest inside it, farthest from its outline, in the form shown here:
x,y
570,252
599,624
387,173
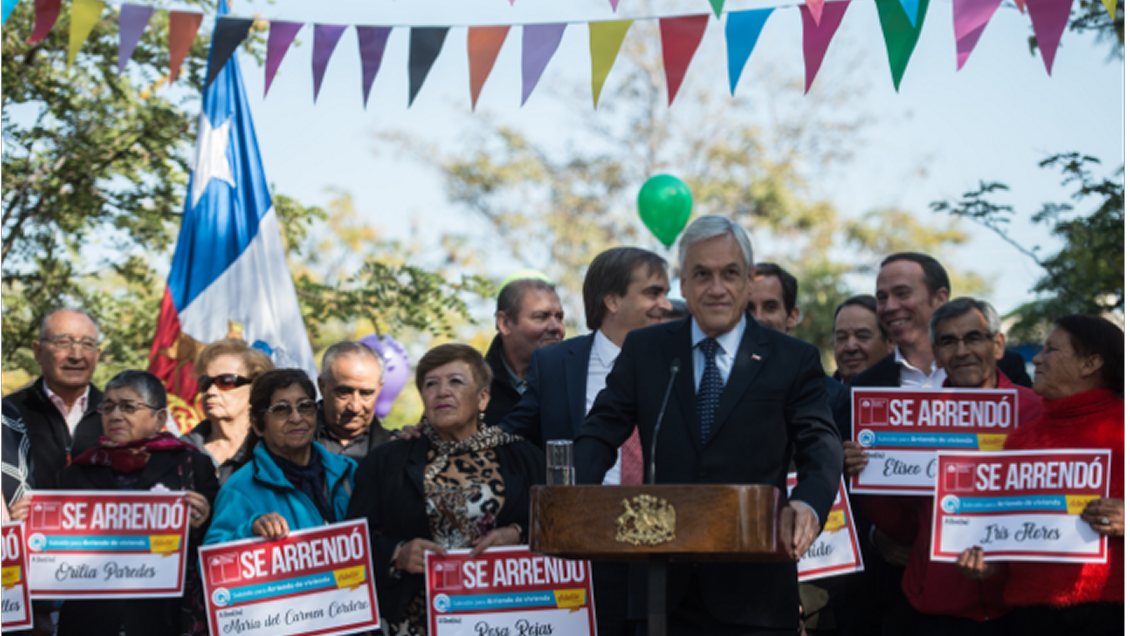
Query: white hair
x,y
710,226
43,333
959,307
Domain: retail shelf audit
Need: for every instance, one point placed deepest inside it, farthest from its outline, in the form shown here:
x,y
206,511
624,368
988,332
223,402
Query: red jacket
x,y
934,587
1093,419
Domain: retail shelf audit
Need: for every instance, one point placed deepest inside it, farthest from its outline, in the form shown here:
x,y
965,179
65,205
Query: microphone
x,y
659,420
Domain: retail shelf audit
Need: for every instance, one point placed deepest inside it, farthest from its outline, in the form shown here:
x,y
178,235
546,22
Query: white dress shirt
x,y
77,411
910,377
601,358
728,344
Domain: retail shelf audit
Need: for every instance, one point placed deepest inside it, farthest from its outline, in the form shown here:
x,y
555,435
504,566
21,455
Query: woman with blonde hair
x,y
225,370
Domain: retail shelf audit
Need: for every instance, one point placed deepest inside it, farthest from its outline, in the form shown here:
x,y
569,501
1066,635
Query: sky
x,y
936,138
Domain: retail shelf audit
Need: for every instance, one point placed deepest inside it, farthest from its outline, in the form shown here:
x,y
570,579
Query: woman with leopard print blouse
x,y
459,485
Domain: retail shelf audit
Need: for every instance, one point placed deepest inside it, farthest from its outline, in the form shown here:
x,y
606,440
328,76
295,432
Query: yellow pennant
x,y
1110,6
605,39
84,15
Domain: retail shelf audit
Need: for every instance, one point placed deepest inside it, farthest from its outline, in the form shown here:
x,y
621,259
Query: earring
x,y
482,417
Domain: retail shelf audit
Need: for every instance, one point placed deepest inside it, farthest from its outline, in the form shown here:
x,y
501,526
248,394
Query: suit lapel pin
x,y
756,357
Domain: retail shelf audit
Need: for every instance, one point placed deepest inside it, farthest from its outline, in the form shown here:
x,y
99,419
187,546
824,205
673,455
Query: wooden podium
x,y
657,524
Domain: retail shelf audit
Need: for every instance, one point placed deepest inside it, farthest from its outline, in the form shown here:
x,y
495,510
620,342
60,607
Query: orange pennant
x,y
483,44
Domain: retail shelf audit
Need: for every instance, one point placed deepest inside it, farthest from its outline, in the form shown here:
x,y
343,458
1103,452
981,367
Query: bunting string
x,y
901,22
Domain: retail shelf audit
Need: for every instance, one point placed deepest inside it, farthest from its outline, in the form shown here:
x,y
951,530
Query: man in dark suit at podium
x,y
745,400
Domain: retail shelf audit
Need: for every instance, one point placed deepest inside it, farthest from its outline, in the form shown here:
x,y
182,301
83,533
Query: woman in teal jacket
x,y
291,482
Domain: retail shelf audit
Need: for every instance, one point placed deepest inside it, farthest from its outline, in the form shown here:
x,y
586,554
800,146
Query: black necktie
x,y
710,388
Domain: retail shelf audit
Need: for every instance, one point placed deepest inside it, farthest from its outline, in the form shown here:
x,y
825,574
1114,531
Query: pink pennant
x,y
1049,19
681,37
278,43
816,7
969,20
615,5
817,37
1020,5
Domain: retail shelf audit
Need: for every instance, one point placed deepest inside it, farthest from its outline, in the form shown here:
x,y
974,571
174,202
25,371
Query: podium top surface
x,y
700,522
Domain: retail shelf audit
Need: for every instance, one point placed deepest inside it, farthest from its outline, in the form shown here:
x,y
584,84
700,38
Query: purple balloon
x,y
397,369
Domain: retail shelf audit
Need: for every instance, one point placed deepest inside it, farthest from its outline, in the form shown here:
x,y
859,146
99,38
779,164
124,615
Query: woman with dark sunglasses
x,y
225,370
291,482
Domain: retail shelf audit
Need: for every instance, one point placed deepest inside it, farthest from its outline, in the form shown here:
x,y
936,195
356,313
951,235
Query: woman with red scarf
x,y
136,453
1079,375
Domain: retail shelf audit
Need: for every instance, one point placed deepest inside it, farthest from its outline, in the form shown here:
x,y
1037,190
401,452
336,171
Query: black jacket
x,y
503,396
377,435
773,407
184,470
389,492
51,443
886,372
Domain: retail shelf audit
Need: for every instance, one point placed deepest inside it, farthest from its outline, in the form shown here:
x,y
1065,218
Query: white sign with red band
x,y
93,544
1020,505
16,601
508,591
836,550
900,430
317,581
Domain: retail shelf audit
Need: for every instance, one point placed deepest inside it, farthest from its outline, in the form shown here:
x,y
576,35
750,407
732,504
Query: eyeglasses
x,y
282,410
127,407
68,343
223,382
971,339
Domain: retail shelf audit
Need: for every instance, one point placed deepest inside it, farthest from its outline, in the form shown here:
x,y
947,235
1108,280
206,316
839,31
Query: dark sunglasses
x,y
224,382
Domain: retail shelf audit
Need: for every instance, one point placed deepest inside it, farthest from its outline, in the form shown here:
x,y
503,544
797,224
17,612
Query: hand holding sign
x,y
270,526
200,508
799,528
855,460
20,508
1106,516
972,565
410,559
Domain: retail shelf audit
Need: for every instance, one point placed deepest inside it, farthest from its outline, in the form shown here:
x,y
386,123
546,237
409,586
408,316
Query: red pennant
x,y
1020,5
183,26
483,44
681,37
46,13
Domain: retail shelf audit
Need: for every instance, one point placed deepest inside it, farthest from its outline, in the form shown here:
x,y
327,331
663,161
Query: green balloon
x,y
665,207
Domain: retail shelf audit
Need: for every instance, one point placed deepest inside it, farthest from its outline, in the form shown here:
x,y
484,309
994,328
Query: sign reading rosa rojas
x,y
508,590
1019,505
114,544
316,581
901,429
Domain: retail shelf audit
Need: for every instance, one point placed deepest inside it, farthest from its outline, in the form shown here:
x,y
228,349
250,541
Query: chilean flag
x,y
229,276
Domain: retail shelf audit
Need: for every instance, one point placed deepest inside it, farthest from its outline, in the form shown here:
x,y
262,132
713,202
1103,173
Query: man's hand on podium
x,y
799,528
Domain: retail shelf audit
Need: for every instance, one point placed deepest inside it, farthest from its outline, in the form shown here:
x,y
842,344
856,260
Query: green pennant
x,y
901,37
717,6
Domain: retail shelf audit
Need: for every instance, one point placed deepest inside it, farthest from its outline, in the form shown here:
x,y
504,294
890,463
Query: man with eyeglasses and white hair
x,y
60,408
746,399
967,342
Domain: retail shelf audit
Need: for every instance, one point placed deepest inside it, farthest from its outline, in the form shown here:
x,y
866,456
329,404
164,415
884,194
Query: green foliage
x,y
95,168
1088,275
93,173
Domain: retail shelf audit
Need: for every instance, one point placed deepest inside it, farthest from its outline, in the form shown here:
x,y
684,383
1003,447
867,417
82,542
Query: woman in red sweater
x,y
1079,375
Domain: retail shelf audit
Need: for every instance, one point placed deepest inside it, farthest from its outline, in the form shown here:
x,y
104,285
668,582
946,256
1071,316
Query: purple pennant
x,y
278,42
539,43
326,37
372,41
131,26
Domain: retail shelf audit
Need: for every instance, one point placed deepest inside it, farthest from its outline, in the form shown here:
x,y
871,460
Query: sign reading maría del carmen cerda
x,y
312,582
119,544
900,431
1020,505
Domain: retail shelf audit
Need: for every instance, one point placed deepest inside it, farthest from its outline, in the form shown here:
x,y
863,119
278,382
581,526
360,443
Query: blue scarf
x,y
310,479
